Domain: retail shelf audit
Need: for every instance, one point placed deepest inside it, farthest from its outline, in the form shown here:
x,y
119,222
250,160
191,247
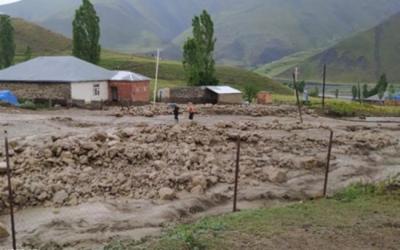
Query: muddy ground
x,y
83,178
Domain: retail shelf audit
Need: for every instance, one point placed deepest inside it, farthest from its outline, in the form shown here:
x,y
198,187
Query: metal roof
x,y
128,76
223,90
55,69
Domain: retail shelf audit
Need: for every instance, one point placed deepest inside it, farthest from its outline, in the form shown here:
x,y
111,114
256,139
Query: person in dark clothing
x,y
176,113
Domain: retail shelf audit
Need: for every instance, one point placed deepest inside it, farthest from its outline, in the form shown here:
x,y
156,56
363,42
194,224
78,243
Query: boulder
x,y
60,197
166,193
277,175
3,232
3,168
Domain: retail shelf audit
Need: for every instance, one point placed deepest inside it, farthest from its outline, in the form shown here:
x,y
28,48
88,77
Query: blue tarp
x,y
8,97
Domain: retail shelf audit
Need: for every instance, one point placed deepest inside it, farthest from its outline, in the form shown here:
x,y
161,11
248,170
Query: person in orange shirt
x,y
191,110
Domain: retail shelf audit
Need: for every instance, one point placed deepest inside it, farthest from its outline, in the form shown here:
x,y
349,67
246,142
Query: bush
x,y
28,105
250,92
314,92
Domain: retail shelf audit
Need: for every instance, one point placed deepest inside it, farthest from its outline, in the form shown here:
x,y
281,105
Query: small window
x,y
96,89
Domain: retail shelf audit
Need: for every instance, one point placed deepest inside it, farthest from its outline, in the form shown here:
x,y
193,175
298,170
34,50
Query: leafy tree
x,y
392,91
198,61
382,86
250,92
365,92
354,92
7,45
28,53
86,33
300,86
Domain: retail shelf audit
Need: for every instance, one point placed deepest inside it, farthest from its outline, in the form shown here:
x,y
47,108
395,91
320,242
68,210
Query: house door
x,y
114,94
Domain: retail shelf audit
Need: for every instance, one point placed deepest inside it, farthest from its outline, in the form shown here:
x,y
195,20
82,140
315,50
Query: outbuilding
x,y
66,79
204,94
129,87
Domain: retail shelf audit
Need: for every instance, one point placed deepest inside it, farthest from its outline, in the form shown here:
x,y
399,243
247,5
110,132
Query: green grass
x,y
350,216
275,68
358,58
342,108
172,75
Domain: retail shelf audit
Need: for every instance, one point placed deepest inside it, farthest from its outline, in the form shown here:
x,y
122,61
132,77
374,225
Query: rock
x,y
99,136
277,175
199,180
197,190
3,232
60,197
166,194
3,168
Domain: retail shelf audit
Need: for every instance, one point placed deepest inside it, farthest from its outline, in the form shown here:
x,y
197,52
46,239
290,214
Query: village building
x,y
67,79
198,95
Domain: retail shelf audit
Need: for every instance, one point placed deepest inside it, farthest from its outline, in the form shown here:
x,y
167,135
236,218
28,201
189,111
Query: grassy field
x,y
275,68
171,72
359,217
342,108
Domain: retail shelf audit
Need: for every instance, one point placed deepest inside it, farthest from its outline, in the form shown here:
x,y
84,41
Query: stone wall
x,y
40,91
189,94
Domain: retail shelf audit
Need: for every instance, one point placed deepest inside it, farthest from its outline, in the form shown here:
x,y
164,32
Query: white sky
x,y
2,2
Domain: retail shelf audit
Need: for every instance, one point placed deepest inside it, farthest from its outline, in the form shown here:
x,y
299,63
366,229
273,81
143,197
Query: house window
x,y
96,89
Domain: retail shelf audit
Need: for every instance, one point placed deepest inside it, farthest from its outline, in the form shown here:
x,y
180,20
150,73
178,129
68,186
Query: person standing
x,y
176,113
191,110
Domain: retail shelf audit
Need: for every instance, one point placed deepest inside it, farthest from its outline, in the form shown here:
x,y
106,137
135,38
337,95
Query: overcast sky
x,y
2,2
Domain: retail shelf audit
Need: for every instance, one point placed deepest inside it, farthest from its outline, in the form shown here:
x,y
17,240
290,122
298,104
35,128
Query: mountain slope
x,y
363,57
251,32
41,40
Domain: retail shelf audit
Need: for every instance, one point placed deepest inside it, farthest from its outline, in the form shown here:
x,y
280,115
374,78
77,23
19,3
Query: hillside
x,y
41,40
250,33
171,72
363,57
45,42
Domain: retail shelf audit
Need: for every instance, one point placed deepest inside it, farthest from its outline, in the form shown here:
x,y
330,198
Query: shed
x,y
225,94
264,97
129,87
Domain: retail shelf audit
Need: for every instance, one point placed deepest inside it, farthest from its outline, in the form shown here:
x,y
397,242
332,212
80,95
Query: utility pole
x,y
323,88
156,78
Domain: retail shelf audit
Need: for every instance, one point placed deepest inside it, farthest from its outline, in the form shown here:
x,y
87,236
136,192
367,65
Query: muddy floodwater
x,y
84,178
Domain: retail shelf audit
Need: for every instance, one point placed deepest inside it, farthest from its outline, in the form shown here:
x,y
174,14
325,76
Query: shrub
x,y
314,92
250,92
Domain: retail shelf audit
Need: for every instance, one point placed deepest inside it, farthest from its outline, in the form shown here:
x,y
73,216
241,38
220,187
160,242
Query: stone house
x,y
198,95
66,79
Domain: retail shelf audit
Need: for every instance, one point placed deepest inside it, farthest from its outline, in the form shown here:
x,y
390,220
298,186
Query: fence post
x,y
297,97
328,163
10,193
236,174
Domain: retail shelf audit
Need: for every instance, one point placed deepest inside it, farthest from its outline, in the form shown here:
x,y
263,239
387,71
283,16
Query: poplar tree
x,y
7,45
198,59
86,33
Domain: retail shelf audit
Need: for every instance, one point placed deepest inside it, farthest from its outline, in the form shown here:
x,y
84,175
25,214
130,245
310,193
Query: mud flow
x,y
83,178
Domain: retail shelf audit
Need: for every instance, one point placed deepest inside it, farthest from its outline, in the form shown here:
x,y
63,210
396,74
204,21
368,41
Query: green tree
x,y
382,86
198,61
250,92
392,91
365,92
86,33
7,45
354,92
28,53
300,86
